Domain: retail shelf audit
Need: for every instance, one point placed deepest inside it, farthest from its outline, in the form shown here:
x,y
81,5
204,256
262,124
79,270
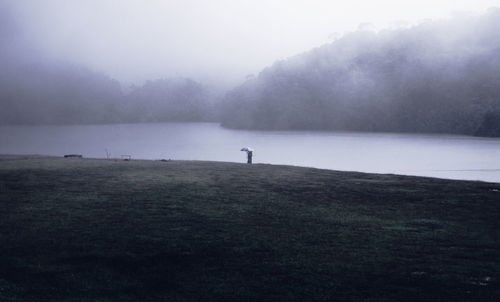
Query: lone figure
x,y
249,152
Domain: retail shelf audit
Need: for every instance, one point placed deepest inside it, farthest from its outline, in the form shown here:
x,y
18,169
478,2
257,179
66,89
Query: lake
x,y
444,156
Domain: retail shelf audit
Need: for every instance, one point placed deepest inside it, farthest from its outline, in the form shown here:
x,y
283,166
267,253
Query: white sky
x,y
136,40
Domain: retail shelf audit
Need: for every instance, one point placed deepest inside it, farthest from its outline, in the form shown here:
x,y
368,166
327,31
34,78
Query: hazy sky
x,y
135,40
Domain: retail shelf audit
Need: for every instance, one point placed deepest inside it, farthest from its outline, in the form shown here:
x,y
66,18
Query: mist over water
x,y
444,156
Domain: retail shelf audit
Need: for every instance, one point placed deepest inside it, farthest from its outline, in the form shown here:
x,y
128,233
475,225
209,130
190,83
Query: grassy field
x,y
112,230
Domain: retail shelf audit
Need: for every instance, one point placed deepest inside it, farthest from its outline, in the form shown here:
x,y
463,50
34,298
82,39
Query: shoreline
x,y
277,165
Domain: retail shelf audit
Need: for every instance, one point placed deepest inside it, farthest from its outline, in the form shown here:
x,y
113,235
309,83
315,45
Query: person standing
x,y
249,152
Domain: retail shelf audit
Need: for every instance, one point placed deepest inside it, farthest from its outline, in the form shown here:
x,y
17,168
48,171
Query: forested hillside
x,y
177,99
62,93
40,89
435,77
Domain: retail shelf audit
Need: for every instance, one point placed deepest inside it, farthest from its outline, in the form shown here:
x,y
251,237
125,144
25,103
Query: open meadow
x,y
111,230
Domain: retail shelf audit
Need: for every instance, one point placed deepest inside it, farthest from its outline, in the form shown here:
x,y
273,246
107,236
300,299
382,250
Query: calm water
x,y
445,156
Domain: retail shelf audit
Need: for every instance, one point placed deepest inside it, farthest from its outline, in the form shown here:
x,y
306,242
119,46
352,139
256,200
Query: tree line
x,y
436,77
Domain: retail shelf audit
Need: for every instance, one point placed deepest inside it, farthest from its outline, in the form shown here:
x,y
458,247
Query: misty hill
x,y
434,77
56,93
178,99
63,93
38,89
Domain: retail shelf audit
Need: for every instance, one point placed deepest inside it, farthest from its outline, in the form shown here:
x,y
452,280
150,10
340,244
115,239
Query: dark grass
x,y
110,230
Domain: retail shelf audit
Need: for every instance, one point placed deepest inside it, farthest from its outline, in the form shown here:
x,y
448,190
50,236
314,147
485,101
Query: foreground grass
x,y
109,230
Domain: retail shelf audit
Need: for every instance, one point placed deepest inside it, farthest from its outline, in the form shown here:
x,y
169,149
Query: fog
x,y
397,66
434,77
224,40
